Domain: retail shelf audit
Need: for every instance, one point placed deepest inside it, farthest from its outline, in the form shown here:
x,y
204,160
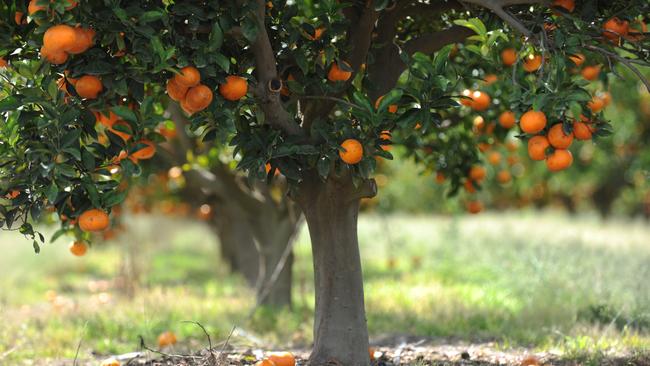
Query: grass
x,y
574,285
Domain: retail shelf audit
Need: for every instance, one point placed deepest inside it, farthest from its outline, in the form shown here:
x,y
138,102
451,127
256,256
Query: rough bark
x,y
331,210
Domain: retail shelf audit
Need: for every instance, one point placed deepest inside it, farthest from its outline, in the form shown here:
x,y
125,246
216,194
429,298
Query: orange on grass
x,y
146,152
107,121
60,37
507,119
494,158
504,177
175,91
199,97
391,108
477,173
582,131
532,121
110,362
337,74
78,248
282,358
537,146
234,88
530,361
578,59
590,72
89,86
126,136
557,138
167,338
265,362
188,77
509,56
93,220
596,104
615,28
54,56
559,160
474,207
353,151
568,5
532,62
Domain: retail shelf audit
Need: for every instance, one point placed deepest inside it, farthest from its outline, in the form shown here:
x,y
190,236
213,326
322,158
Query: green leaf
x,y
150,16
222,61
324,165
125,113
216,37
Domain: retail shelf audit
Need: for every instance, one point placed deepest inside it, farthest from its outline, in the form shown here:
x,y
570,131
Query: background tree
x,y
358,76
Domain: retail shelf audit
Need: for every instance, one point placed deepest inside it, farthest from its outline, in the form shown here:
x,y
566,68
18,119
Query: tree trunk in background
x,y
610,189
331,210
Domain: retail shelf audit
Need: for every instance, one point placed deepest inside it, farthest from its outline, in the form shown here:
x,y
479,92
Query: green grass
x,y
575,285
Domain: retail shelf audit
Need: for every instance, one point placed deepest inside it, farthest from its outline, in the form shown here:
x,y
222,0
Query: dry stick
x,y
76,355
627,62
203,329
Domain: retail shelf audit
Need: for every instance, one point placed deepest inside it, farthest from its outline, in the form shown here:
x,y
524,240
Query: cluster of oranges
x,y
121,128
531,62
186,88
91,221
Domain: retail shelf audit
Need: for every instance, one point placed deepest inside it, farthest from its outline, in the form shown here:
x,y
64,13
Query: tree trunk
x,y
274,288
331,209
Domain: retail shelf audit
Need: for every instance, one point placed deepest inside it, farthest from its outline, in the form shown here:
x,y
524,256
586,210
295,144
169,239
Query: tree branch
x,y
627,62
498,8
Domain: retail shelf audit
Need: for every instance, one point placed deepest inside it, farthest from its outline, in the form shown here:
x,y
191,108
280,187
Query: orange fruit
x,y
532,62
532,121
530,361
371,353
93,220
559,160
146,152
507,119
483,146
60,37
78,248
168,132
110,362
33,8
509,56
480,101
606,97
3,63
19,18
282,358
186,108
537,146
440,178
474,207
557,138
596,104
188,77
353,151
477,173
590,72
391,108
615,28
126,136
385,136
469,186
85,38
490,78
337,74
638,27
494,158
504,177
167,338
578,59
234,88
582,131
13,194
318,32
107,121
175,91
568,5
199,97
89,86
265,362
56,57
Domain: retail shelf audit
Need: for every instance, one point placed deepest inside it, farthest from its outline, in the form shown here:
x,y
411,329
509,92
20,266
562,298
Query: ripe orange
x,y
353,151
559,160
126,136
85,38
107,121
615,28
504,177
3,63
110,362
385,136
175,91
19,18
93,220
186,108
582,131
13,194
282,358
591,72
78,248
568,5
480,101
60,37
265,362
33,8
199,97
56,57
532,121
440,178
337,74
606,97
537,146
89,86
474,207
578,59
188,77
596,104
234,88
168,132
469,186
145,153
494,158
490,78
532,62
507,119
318,32
167,338
477,173
557,138
509,56
391,108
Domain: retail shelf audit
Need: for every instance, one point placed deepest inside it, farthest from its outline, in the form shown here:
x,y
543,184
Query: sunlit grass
x,y
574,285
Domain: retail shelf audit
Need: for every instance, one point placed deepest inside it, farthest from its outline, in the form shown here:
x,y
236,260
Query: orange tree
x,y
318,90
